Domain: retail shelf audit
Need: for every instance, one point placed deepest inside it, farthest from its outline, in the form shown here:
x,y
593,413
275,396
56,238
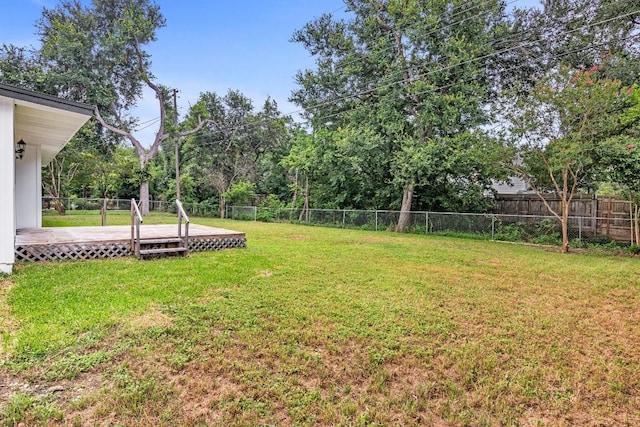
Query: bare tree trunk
x,y
636,224
295,192
59,205
565,224
177,155
405,210
304,213
223,207
144,198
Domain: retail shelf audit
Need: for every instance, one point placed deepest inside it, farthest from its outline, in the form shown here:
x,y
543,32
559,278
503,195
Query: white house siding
x,y
29,189
7,180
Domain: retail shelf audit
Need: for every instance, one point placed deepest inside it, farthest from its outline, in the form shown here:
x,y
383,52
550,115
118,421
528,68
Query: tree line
x,y
411,105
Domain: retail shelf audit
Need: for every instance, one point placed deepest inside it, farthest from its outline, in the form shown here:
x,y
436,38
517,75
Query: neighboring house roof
x,y
514,186
45,120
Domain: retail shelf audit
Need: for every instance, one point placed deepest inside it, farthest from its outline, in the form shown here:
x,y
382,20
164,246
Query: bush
x,y
547,239
599,240
513,232
241,193
266,215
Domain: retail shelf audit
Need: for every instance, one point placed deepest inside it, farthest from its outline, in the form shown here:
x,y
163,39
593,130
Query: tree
x,y
406,77
235,139
564,123
97,53
622,155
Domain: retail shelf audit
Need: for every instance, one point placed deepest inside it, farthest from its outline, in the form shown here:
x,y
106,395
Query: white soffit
x,y
49,127
45,120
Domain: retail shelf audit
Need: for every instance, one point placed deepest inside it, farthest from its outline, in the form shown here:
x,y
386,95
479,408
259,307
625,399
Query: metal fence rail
x,y
530,228
71,203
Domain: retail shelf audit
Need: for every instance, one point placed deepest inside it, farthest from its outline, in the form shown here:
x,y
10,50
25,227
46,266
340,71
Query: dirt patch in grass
x,y
151,318
7,323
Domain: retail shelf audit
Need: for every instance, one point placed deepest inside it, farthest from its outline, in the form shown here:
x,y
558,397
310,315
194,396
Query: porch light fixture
x,y
20,151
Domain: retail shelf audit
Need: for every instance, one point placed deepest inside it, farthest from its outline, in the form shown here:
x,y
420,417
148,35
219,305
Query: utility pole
x,y
176,142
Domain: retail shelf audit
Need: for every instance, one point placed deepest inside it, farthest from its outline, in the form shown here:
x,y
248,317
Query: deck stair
x,y
159,248
155,248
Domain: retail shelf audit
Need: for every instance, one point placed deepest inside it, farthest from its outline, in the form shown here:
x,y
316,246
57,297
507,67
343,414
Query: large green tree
x,y
408,78
564,125
97,50
233,143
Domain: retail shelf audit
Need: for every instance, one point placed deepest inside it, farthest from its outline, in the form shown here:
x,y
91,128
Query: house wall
x,y
29,189
7,180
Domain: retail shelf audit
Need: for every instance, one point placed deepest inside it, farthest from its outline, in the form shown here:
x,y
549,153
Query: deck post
x,y
103,212
132,219
7,190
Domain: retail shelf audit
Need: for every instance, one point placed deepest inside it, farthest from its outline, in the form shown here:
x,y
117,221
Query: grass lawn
x,y
320,326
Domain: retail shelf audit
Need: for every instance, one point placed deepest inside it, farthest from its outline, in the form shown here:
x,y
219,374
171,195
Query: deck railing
x,y
182,214
136,220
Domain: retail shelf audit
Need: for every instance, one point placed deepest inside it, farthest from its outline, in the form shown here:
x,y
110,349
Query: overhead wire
x,y
152,122
435,27
441,69
422,75
442,87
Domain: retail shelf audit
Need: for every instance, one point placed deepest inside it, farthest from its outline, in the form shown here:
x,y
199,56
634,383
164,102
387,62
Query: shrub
x,y
547,239
513,232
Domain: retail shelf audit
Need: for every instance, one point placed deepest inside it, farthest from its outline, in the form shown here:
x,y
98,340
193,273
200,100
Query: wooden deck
x,y
74,243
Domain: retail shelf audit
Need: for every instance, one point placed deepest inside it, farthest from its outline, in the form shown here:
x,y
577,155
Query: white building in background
x,y
40,125
515,185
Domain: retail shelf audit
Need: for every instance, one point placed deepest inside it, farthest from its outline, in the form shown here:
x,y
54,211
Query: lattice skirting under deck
x,y
72,251
102,250
198,244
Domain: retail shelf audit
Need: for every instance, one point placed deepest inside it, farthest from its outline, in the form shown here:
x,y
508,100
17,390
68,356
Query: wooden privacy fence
x,y
602,216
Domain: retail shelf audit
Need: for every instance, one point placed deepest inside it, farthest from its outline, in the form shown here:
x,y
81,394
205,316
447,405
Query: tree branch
x,y
136,143
199,126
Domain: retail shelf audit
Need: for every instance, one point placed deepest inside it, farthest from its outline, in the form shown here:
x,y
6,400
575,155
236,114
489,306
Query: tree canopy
x,y
411,105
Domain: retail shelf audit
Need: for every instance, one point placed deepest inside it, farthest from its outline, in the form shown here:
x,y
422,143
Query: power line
x,y
151,123
466,9
422,75
329,116
147,121
440,69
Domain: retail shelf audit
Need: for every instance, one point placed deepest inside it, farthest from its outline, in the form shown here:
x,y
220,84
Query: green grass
x,y
92,218
317,326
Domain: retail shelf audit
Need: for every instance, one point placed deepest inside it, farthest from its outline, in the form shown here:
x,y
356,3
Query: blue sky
x,y
211,45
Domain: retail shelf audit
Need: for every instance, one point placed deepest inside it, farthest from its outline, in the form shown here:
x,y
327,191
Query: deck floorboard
x,y
112,233
76,243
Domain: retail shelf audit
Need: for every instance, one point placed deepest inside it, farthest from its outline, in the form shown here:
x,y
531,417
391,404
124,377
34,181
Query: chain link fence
x,y
583,231
205,209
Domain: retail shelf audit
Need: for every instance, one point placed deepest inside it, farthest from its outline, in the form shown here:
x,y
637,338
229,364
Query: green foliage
x,y
238,144
23,409
92,50
565,123
241,193
333,327
409,130
548,239
512,232
271,208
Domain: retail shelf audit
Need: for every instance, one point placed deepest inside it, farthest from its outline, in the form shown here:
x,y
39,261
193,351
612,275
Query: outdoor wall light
x,y
20,151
